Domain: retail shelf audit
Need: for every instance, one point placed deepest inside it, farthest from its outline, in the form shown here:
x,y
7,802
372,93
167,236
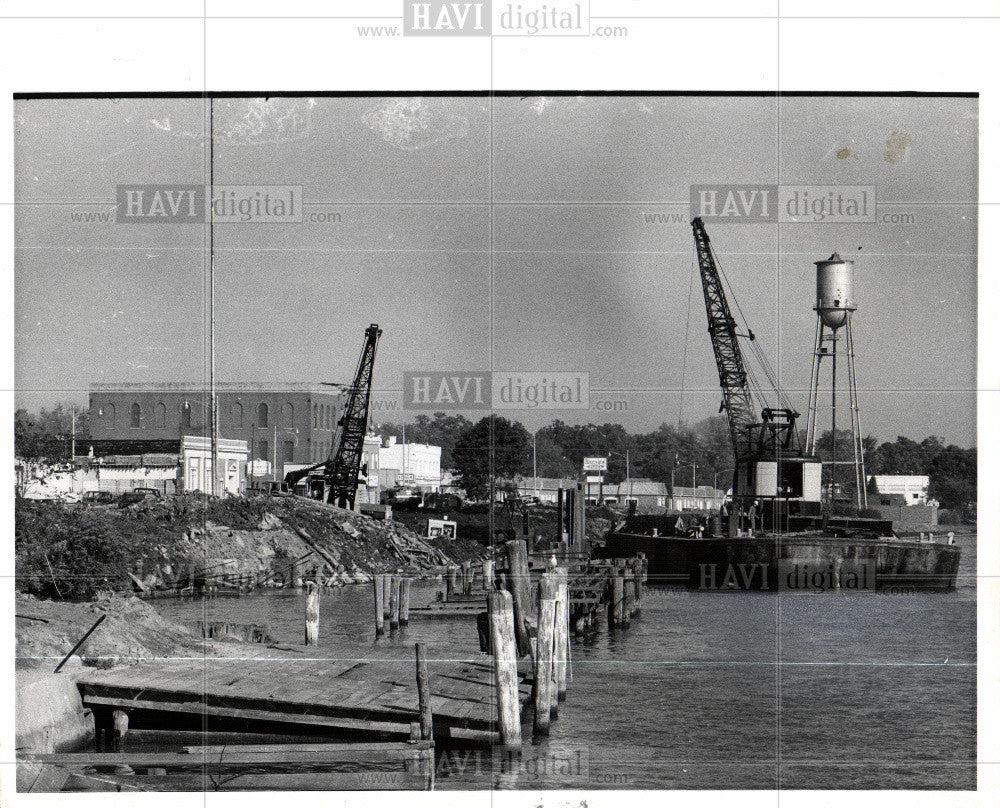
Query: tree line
x,y
689,453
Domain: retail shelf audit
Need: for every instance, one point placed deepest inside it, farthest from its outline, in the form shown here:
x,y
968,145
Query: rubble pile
x,y
74,551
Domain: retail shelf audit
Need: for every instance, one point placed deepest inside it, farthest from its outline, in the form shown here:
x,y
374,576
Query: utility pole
x,y
274,454
72,444
213,408
534,461
253,433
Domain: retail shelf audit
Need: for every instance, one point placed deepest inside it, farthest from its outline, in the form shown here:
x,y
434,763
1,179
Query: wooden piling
x,y
548,593
487,574
467,577
120,730
502,639
561,654
104,725
393,603
452,581
386,592
616,600
637,580
519,584
628,591
424,694
411,764
404,602
379,615
312,613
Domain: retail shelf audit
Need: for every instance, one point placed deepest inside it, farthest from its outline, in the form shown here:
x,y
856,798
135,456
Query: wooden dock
x,y
592,588
315,695
267,767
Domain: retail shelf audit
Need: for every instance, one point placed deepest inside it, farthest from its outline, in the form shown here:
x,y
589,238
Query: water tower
x,y
834,309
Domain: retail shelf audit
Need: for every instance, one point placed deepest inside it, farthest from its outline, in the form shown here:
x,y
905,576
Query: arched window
x,y
315,416
109,414
326,416
237,415
135,416
160,416
262,415
288,413
186,414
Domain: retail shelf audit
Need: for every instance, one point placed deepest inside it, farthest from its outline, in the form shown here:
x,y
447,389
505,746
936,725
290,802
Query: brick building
x,y
280,423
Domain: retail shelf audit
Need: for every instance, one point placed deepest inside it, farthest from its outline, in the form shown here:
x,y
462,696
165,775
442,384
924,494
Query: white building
x,y
368,486
415,464
702,498
648,496
545,488
196,464
912,487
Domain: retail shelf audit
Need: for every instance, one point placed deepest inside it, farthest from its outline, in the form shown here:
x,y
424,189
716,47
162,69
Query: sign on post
x,y
595,464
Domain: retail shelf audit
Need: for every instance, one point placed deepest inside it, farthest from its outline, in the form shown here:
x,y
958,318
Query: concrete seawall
x,y
50,714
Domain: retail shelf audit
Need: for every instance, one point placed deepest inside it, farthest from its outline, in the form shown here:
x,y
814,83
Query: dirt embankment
x,y
132,630
77,551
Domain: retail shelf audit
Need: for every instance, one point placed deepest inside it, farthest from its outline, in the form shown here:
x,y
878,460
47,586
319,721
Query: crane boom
x,y
736,399
341,469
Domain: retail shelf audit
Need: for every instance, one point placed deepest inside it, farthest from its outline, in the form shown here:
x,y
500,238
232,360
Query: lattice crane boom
x,y
736,396
341,469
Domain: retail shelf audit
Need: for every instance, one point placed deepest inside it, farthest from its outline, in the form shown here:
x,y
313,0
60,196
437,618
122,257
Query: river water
x,y
712,690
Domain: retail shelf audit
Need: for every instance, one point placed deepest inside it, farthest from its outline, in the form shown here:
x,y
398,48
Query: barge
x,y
847,556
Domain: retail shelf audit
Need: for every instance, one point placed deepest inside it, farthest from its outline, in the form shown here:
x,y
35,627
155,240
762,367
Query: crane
x,y
341,468
770,466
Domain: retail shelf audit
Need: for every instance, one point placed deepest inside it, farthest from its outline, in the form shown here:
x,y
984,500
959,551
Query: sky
x,y
511,233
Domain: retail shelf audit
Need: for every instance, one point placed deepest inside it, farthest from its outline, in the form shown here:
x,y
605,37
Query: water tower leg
x,y
814,390
859,446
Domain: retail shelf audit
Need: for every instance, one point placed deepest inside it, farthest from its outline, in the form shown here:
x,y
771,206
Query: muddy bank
x,y
76,551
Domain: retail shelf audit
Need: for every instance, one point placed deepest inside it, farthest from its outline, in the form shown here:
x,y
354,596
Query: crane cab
x,y
773,472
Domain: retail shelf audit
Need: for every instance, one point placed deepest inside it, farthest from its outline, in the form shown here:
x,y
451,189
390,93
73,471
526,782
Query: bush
x,y
71,552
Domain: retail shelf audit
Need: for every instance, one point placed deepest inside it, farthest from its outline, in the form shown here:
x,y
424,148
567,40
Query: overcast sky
x,y
581,287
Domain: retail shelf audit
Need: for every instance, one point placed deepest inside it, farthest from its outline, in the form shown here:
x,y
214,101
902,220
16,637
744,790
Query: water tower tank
x,y
834,290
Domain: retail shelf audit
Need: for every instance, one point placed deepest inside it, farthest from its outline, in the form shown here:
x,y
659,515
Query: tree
x,y
953,477
840,474
511,453
49,433
442,430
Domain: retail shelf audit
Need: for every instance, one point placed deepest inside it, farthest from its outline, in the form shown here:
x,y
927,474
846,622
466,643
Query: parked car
x,y
442,503
98,497
137,495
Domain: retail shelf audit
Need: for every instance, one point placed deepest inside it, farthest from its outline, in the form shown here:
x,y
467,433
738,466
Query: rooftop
x,y
220,387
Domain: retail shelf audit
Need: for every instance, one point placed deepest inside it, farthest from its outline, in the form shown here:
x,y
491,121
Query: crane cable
x,y
687,338
756,388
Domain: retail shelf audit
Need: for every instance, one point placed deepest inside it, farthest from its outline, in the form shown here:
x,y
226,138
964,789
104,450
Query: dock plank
x,y
317,692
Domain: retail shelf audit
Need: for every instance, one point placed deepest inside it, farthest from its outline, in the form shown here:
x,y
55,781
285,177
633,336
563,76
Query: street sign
x,y
595,479
595,464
